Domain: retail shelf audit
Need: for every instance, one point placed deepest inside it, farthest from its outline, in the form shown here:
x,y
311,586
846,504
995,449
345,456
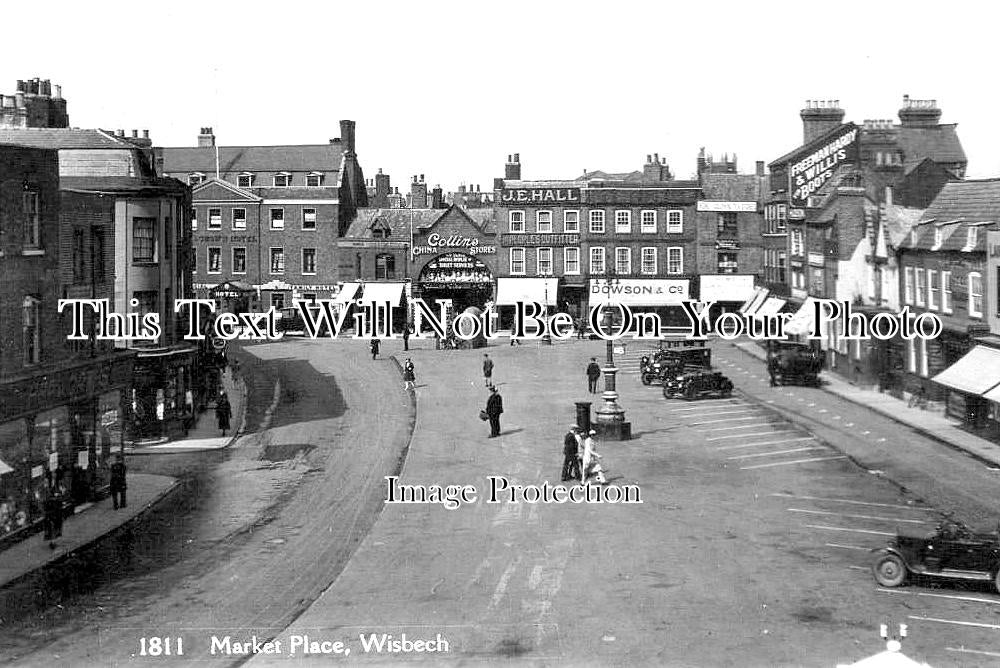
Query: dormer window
x,y
282,180
314,179
971,236
380,230
196,178
913,237
938,238
245,180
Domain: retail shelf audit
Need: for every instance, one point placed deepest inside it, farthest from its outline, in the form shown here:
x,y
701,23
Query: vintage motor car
x,y
794,363
951,551
697,384
666,364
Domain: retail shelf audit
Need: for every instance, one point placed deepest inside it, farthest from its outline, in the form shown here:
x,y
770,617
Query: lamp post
x,y
610,417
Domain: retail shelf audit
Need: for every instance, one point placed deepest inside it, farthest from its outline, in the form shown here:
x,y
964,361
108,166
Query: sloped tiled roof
x,y
958,205
398,221
121,184
940,143
302,158
65,138
898,221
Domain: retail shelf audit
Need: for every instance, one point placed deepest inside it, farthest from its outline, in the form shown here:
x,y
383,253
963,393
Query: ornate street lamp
x,y
610,417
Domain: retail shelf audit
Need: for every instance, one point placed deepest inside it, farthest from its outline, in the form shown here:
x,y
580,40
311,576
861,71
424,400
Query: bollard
x,y
583,415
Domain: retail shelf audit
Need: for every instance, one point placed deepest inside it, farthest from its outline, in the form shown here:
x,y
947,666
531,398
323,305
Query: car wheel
x,y
889,570
647,378
996,580
727,391
666,393
691,393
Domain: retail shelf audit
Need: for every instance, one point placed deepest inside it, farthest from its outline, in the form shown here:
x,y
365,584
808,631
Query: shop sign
x,y
638,292
514,196
723,207
816,259
796,214
808,173
54,389
217,238
727,244
379,244
539,239
436,243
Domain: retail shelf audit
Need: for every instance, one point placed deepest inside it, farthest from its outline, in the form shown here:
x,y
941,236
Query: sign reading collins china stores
x,y
518,196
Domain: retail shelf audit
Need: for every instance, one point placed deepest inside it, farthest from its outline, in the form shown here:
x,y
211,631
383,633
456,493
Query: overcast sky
x,y
449,89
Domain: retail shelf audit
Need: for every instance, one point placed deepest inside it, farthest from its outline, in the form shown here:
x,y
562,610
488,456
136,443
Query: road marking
x,y
750,445
858,568
778,452
972,651
504,580
749,426
823,410
736,412
868,531
865,433
700,408
811,405
851,501
974,599
745,426
849,547
859,517
698,424
836,417
848,424
955,621
796,461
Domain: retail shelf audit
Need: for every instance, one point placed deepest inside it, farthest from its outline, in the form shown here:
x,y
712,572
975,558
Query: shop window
x,y
571,222
571,260
648,260
516,219
517,261
385,266
597,222
144,239
239,219
309,260
597,260
975,294
31,330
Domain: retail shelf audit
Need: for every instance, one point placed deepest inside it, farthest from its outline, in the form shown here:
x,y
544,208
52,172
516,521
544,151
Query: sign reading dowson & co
x,y
807,172
516,196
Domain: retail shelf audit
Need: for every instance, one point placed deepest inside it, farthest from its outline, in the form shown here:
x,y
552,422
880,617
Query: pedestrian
x,y
53,515
514,341
579,328
406,337
223,411
591,460
375,344
409,376
488,370
118,484
593,373
571,462
494,408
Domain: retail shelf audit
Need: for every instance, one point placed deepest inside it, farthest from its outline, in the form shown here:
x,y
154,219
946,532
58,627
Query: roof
x,y
940,143
292,158
398,220
63,138
815,143
121,184
897,222
731,187
959,205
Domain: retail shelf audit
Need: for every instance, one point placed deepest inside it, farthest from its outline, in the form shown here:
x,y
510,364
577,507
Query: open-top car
x,y
666,364
697,384
793,363
952,551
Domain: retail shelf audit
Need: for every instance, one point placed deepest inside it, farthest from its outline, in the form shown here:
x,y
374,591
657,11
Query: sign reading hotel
x,y
638,292
516,196
807,174
439,244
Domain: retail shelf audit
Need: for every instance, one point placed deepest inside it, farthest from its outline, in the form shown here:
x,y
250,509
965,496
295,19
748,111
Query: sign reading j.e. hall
x,y
808,173
528,196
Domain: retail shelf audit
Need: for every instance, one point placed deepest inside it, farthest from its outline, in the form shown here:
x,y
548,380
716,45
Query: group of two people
x,y
580,457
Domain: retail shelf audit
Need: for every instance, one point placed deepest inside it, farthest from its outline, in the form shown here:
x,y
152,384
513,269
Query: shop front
x,y
60,428
464,279
513,291
662,297
973,388
233,297
166,392
728,292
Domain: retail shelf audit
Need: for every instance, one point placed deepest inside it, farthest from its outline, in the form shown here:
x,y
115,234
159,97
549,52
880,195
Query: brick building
x,y
61,402
35,104
266,218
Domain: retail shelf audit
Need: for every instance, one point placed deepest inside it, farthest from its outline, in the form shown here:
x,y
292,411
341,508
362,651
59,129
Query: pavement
x,y
927,422
91,522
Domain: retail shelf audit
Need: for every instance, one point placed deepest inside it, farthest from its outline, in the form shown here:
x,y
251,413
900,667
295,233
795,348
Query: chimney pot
x,y
517,157
145,134
135,134
656,158
649,159
421,178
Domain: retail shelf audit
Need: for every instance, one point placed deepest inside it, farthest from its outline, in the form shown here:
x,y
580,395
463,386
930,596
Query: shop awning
x,y
802,321
977,372
513,290
347,293
382,292
726,288
4,468
751,305
771,306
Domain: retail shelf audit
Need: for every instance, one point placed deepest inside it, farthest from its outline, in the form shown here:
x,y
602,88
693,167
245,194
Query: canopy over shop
x,y
974,386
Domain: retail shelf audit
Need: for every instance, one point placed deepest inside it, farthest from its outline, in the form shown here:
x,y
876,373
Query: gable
x,y
220,191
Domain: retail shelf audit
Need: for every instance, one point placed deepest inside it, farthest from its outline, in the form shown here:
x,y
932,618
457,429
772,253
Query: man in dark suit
x,y
494,407
571,452
118,484
593,373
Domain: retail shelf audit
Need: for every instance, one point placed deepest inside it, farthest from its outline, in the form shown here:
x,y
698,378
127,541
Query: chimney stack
x,y
437,198
206,138
347,136
760,168
819,117
418,193
512,171
919,113
382,190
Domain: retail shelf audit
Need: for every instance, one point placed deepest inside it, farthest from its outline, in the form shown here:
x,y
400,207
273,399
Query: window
x,y
385,266
78,256
239,219
597,260
277,219
239,260
277,260
516,221
946,291
571,260
168,237
623,261
924,366
798,247
214,219
932,289
623,222
543,261
314,180
782,261
675,260
597,222
98,256
647,223
517,261
214,260
727,221
244,180
308,219
144,239
971,235
145,301
543,221
571,221
975,294
277,300
938,238
196,178
908,285
675,221
911,356
32,220
648,260
194,220
31,330
727,262
782,216
282,180
309,260
921,284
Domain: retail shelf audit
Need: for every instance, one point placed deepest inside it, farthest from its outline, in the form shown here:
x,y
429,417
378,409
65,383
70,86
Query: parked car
x,y
666,364
697,384
794,363
951,552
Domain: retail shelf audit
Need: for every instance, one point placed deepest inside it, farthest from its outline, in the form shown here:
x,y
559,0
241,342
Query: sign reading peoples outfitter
x,y
808,173
514,196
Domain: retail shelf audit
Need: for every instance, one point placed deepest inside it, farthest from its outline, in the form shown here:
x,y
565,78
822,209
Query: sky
x,y
450,89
